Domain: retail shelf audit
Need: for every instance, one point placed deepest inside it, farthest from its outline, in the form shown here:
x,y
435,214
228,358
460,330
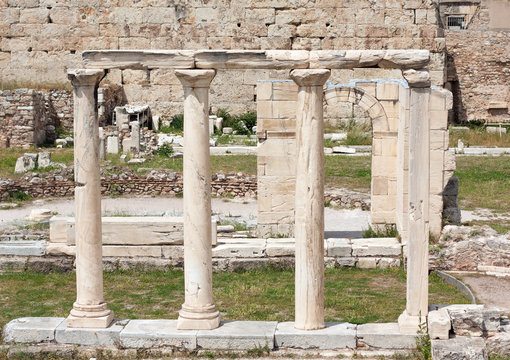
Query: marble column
x,y
418,213
309,216
89,310
198,311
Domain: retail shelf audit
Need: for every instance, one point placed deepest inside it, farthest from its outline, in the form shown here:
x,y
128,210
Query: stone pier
x,y
89,310
309,217
198,311
418,211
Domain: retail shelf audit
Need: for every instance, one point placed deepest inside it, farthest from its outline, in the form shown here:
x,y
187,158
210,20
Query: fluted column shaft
x,y
418,213
309,216
89,310
198,311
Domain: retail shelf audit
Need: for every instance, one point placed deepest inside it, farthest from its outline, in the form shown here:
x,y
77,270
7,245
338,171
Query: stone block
x,y
385,263
239,250
280,249
473,320
112,145
31,329
156,333
339,247
464,348
333,336
109,336
376,247
132,251
43,160
439,324
387,91
58,229
367,263
285,90
384,336
238,335
264,91
23,248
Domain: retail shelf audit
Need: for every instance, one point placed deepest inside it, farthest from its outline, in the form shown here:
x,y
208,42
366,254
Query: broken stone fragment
x,y
417,78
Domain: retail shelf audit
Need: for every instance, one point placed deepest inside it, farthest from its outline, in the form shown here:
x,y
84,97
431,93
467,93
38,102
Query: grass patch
x,y
347,172
502,226
479,136
484,182
9,156
386,232
353,295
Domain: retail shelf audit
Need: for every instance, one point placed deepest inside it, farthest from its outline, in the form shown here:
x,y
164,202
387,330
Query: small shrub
x,y
249,119
177,122
19,196
165,150
228,120
387,231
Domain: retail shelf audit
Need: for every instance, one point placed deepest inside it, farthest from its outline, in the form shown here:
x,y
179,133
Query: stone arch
x,y
367,102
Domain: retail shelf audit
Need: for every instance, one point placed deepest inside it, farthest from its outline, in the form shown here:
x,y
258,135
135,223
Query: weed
x,y
423,345
258,351
387,231
327,203
18,196
165,150
179,195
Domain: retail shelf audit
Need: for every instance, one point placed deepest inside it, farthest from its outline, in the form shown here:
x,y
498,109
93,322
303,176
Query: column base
x,y
410,324
198,319
90,316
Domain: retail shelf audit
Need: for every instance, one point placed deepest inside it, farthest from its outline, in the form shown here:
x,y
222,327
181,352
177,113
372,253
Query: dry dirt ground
x,y
489,290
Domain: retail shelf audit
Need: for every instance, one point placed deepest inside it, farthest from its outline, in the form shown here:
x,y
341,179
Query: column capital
x,y
310,77
417,78
197,78
85,77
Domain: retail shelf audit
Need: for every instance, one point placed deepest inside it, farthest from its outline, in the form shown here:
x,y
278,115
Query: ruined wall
x,y
41,39
479,64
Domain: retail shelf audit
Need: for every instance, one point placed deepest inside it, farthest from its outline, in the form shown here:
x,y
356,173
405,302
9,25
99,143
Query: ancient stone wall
x,y
41,39
479,65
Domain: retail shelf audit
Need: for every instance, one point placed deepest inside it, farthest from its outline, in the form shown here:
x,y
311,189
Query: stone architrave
x,y
198,311
135,137
89,310
309,213
418,213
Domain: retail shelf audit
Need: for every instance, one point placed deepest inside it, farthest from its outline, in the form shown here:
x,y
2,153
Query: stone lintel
x,y
255,59
85,77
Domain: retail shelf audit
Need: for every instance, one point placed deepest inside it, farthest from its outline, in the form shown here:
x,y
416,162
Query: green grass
x,y
353,295
9,156
502,226
386,232
479,137
346,172
484,182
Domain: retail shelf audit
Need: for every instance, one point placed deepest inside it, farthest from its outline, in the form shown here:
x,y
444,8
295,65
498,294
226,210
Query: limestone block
x,y
251,59
280,249
253,249
473,320
385,263
439,324
126,145
34,16
334,59
238,335
440,99
89,336
58,229
417,78
387,90
285,90
39,214
346,261
339,247
459,348
174,252
405,59
376,247
343,150
43,160
112,146
438,119
25,163
264,91
499,343
132,251
367,263
23,248
384,336
60,249
156,333
31,329
333,336
383,203
450,163
367,87
106,59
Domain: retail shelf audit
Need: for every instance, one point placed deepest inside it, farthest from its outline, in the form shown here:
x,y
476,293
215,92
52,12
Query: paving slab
x,y
384,336
156,333
86,336
238,335
469,348
339,247
333,336
31,329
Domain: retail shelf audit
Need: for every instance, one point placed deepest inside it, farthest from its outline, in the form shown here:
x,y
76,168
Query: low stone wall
x,y
471,248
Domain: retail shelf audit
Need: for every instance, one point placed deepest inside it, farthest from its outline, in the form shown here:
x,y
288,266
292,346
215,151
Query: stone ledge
x,y
231,335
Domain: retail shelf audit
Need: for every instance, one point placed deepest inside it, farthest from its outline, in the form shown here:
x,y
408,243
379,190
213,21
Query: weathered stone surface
x,y
155,333
112,145
439,324
376,247
138,59
92,336
43,160
238,335
23,248
25,163
499,344
413,59
417,78
339,247
31,329
384,336
243,250
459,348
333,336
473,320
